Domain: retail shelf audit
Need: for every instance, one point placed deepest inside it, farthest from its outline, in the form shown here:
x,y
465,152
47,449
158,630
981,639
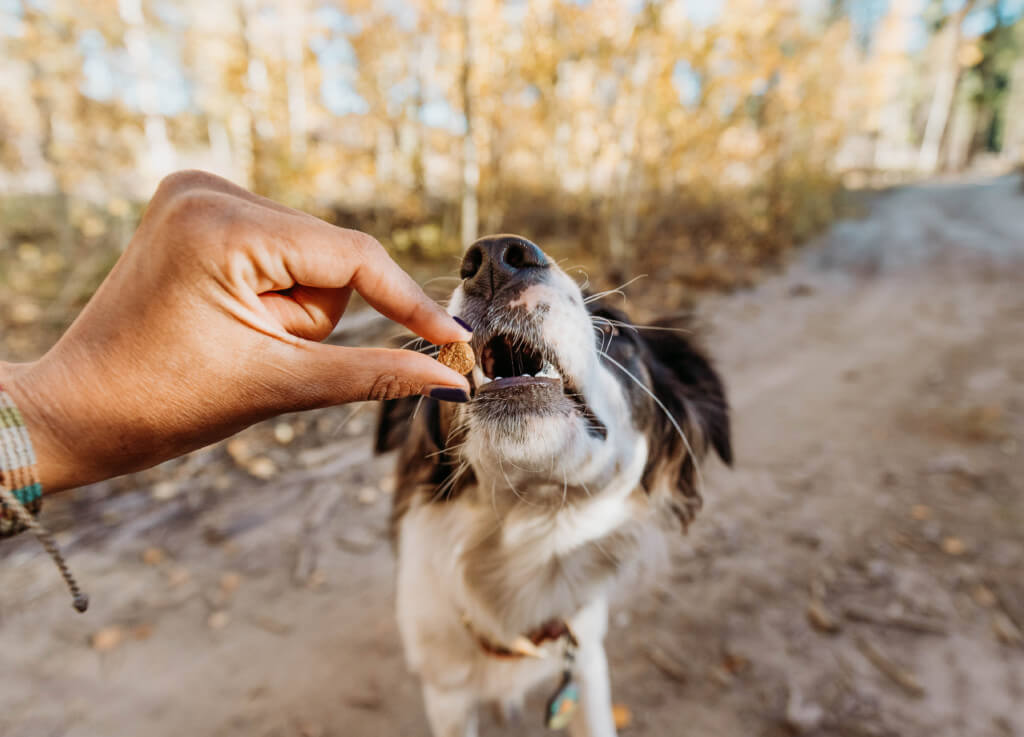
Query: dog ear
x,y
688,384
693,395
396,416
421,428
394,420
682,376
425,469
410,422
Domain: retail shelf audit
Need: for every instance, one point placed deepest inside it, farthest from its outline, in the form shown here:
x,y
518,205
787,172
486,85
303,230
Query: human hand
x,y
211,321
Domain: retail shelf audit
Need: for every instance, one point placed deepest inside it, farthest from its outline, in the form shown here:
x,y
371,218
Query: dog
x,y
514,513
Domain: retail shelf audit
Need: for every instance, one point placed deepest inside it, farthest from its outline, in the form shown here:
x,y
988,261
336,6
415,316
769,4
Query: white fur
x,y
457,675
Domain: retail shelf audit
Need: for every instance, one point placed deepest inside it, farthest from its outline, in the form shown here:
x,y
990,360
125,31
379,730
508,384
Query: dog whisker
x,y
445,487
636,328
608,556
355,410
494,503
617,290
411,343
447,449
441,278
520,468
511,486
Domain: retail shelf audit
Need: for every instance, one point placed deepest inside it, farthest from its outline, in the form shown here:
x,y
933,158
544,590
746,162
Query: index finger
x,y
323,255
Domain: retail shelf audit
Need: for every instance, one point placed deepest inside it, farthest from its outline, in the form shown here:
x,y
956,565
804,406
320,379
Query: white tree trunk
x,y
1013,135
159,158
294,52
470,162
945,92
244,123
962,126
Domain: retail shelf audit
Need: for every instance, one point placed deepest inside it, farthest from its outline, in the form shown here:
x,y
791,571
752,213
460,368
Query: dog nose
x,y
492,262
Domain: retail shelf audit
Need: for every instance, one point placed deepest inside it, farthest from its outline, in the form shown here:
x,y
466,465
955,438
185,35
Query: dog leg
x,y
450,713
594,717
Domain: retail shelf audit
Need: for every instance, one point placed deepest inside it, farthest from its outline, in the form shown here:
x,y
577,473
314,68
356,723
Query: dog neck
x,y
519,484
529,562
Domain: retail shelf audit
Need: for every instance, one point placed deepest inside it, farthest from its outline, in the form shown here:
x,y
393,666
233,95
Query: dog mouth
x,y
522,376
510,364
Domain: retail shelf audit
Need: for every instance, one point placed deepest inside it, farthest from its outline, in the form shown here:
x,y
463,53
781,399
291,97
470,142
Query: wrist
x,y
41,413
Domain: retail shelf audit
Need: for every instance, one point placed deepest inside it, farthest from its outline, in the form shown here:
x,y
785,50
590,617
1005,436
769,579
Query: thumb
x,y
338,374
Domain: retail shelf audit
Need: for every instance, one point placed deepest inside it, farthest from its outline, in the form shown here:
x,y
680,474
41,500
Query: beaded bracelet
x,y
17,469
21,494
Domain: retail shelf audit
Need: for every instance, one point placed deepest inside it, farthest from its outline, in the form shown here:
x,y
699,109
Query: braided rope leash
x,y
21,494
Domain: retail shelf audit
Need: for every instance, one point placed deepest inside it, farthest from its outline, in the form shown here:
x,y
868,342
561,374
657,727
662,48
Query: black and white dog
x,y
514,512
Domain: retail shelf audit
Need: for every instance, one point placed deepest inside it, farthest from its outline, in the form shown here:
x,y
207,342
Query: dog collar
x,y
561,706
528,645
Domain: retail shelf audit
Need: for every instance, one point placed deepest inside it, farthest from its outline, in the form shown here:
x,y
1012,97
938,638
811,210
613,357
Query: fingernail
x,y
448,394
463,323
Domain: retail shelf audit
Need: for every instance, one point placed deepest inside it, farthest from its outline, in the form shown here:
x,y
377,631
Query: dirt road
x,y
858,573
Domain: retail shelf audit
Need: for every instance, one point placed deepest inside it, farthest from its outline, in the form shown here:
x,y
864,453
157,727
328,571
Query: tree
x,y
947,77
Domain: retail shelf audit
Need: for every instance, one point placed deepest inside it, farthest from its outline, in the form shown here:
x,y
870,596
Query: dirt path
x,y
878,388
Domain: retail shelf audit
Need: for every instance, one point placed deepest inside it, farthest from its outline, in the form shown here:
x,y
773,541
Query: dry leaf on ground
x,y
953,546
622,715
262,468
821,618
153,556
106,639
230,582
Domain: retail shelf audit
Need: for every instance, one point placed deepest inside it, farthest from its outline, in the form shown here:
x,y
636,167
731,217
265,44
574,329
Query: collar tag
x,y
562,705
564,702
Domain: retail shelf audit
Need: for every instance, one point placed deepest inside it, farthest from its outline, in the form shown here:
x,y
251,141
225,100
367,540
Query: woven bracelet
x,y
17,469
21,494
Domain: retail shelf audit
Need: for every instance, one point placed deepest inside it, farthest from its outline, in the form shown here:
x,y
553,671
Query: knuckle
x,y
186,210
414,313
174,184
390,386
366,245
199,216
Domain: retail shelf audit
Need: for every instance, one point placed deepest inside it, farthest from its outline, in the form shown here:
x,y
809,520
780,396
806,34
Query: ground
x,y
856,573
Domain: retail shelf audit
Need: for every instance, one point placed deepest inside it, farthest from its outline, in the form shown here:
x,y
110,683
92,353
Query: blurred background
x,y
716,132
832,186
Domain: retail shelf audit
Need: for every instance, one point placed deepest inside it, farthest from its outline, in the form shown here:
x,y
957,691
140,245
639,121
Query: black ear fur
x,y
395,418
687,382
683,377
423,458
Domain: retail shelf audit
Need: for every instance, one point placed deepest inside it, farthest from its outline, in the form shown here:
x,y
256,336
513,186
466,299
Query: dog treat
x,y
458,357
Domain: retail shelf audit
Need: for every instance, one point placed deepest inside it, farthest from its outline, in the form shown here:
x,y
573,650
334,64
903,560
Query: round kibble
x,y
458,357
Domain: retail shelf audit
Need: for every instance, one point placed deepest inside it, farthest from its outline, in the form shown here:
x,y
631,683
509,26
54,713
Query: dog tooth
x,y
485,380
549,371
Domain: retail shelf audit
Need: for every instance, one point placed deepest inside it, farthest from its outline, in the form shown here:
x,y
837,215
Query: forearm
x,y
42,419
78,415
